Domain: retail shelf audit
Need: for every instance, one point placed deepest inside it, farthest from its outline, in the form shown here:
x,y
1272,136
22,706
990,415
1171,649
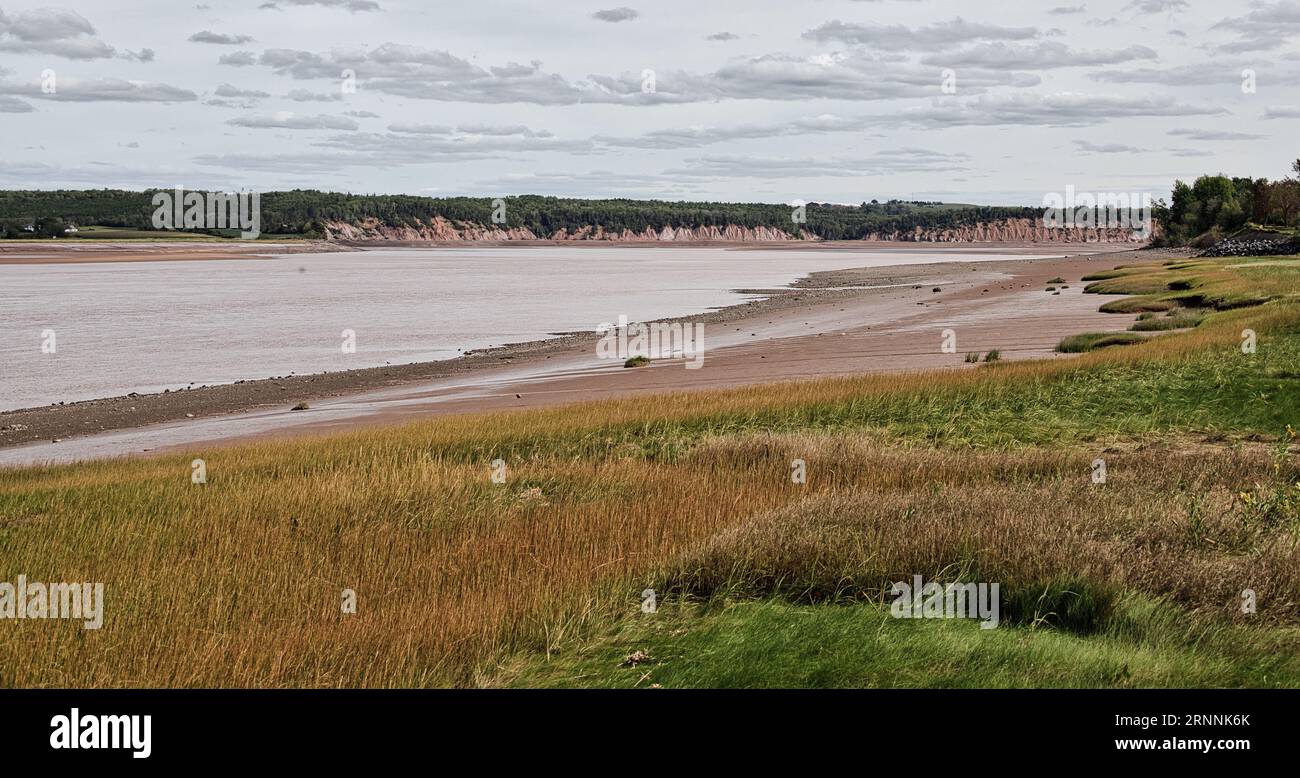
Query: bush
x,y
637,362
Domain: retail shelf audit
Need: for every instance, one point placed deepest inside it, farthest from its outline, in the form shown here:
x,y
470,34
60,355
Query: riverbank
x,y
881,319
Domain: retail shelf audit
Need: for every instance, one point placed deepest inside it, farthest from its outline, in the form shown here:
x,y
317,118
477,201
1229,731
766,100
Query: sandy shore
x,y
883,319
74,251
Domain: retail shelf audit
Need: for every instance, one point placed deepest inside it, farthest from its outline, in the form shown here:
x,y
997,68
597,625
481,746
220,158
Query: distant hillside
x,y
338,216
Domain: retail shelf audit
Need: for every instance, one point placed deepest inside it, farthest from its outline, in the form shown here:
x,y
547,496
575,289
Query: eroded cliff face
x,y
442,230
1017,231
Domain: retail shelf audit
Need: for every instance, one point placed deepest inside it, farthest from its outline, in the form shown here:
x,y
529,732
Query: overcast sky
x,y
751,100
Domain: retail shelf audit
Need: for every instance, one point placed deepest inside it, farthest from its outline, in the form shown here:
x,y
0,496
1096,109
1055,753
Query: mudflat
x,y
881,319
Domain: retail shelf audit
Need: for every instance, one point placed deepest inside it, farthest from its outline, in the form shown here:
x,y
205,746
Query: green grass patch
x,y
1091,341
773,644
1175,320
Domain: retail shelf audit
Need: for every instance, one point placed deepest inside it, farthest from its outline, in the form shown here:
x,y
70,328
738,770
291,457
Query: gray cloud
x,y
1199,74
622,14
228,90
939,36
347,5
893,161
695,137
306,96
102,90
1107,148
287,120
1057,110
1158,6
238,59
1282,112
1215,135
207,36
64,34
415,72
1039,55
1266,27
14,105
723,36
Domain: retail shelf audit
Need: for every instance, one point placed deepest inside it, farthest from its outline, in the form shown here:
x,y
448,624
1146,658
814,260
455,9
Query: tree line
x,y
1213,206
304,211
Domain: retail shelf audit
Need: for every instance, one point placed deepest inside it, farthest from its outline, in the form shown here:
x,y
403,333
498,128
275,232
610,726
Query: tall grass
x,y
238,582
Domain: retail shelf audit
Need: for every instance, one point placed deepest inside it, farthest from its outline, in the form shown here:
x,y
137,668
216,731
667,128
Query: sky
x,y
753,100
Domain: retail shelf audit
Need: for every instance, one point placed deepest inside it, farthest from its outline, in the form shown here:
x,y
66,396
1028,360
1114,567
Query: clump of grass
x,y
1062,550
972,356
302,406
1091,341
993,356
1137,305
1174,320
1057,280
1050,289
637,361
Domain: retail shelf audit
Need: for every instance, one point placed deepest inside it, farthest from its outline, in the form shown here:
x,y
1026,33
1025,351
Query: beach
x,y
830,323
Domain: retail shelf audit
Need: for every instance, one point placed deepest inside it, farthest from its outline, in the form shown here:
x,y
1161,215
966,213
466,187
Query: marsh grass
x,y
1091,341
237,582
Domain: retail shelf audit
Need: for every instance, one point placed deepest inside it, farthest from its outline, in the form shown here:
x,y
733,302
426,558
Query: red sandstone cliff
x,y
439,229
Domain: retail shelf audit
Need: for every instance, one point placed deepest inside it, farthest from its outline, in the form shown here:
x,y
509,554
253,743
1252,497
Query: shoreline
x,y
87,250
793,323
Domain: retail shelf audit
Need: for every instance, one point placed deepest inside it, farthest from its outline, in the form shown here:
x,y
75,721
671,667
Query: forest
x,y
301,212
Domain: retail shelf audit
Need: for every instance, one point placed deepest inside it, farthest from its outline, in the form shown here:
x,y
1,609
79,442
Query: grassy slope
x,y
774,644
237,582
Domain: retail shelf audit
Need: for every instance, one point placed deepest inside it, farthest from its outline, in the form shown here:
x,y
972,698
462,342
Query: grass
x,y
1178,319
638,361
461,581
774,644
1214,284
1091,341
